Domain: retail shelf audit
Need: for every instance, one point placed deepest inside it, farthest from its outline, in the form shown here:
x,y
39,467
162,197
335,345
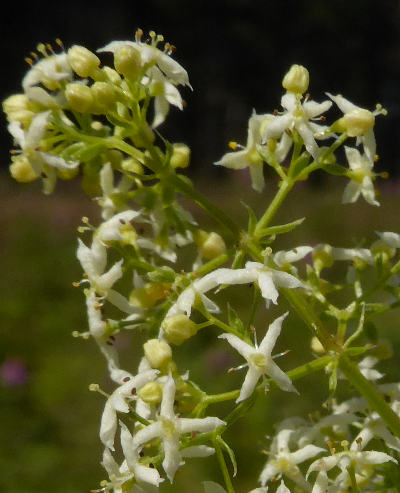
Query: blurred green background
x,y
49,419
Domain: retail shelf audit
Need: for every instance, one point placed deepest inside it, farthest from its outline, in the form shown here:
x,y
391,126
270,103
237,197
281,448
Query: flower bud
x,y
158,353
322,257
67,173
180,156
149,295
151,393
127,62
103,95
22,171
316,346
178,329
83,62
112,75
79,97
211,245
357,122
381,249
297,79
18,108
131,164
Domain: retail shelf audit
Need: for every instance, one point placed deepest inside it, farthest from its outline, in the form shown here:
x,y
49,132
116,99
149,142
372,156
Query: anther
x,y
41,48
276,112
233,145
133,391
126,379
94,387
138,35
172,49
151,465
29,61
385,175
34,55
194,434
50,48
122,221
60,43
76,284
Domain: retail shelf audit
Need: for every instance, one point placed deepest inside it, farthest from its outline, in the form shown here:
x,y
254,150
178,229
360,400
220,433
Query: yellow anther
x,y
376,158
41,48
60,43
385,175
94,387
233,145
75,333
345,444
28,60
138,34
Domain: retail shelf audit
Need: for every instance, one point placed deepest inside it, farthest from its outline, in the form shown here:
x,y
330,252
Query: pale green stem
x,y
371,395
223,466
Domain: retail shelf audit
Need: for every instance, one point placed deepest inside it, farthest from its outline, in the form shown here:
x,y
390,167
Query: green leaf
x,y
234,320
230,452
252,218
335,169
280,229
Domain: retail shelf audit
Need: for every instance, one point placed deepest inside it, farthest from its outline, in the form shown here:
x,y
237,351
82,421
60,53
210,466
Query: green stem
x,y
213,264
186,189
371,395
223,466
273,208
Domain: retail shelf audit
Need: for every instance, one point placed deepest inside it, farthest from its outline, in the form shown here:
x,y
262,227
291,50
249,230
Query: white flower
x,y
169,427
391,239
43,163
284,462
367,138
359,460
366,368
152,56
297,116
131,466
284,258
249,156
353,254
361,175
49,72
113,228
164,94
117,403
259,360
108,188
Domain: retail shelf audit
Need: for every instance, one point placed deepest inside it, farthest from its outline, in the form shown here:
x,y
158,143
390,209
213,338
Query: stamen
x,y
284,353
34,55
29,61
138,35
384,175
233,145
60,43
41,48
50,48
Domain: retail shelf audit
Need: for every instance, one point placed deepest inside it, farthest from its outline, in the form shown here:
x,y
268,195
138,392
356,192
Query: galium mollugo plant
x,y
76,116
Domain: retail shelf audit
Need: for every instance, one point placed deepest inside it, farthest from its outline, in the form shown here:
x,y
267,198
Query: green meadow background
x,y
49,423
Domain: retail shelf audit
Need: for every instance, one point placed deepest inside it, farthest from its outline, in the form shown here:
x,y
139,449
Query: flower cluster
x,y
148,265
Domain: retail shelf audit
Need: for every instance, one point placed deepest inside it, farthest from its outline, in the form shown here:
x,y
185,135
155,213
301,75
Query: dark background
x,y
236,53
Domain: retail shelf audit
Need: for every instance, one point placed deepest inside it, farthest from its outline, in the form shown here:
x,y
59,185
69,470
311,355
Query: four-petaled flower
x,y
259,360
361,177
169,427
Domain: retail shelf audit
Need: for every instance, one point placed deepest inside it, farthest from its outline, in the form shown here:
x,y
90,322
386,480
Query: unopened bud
x,y
18,108
381,249
322,257
211,245
103,95
67,173
149,295
83,62
297,79
79,97
127,62
22,171
357,122
151,393
180,156
158,353
112,75
178,329
131,164
316,346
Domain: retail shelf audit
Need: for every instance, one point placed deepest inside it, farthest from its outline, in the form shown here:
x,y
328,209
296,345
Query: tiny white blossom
x,y
259,360
284,462
43,163
107,186
117,402
298,116
249,156
361,177
353,254
391,239
169,427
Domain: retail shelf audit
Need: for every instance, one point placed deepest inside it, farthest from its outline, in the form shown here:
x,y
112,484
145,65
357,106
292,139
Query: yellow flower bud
x,y
149,295
132,165
357,122
127,62
151,393
103,95
22,171
211,245
83,61
297,79
18,108
380,248
180,156
316,346
79,97
178,329
322,257
68,173
112,75
158,353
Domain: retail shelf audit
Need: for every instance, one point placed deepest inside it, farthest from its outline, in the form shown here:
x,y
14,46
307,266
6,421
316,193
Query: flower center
x,y
258,360
168,427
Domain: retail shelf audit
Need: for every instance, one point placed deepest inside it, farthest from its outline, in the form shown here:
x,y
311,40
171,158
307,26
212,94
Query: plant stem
x,y
222,465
